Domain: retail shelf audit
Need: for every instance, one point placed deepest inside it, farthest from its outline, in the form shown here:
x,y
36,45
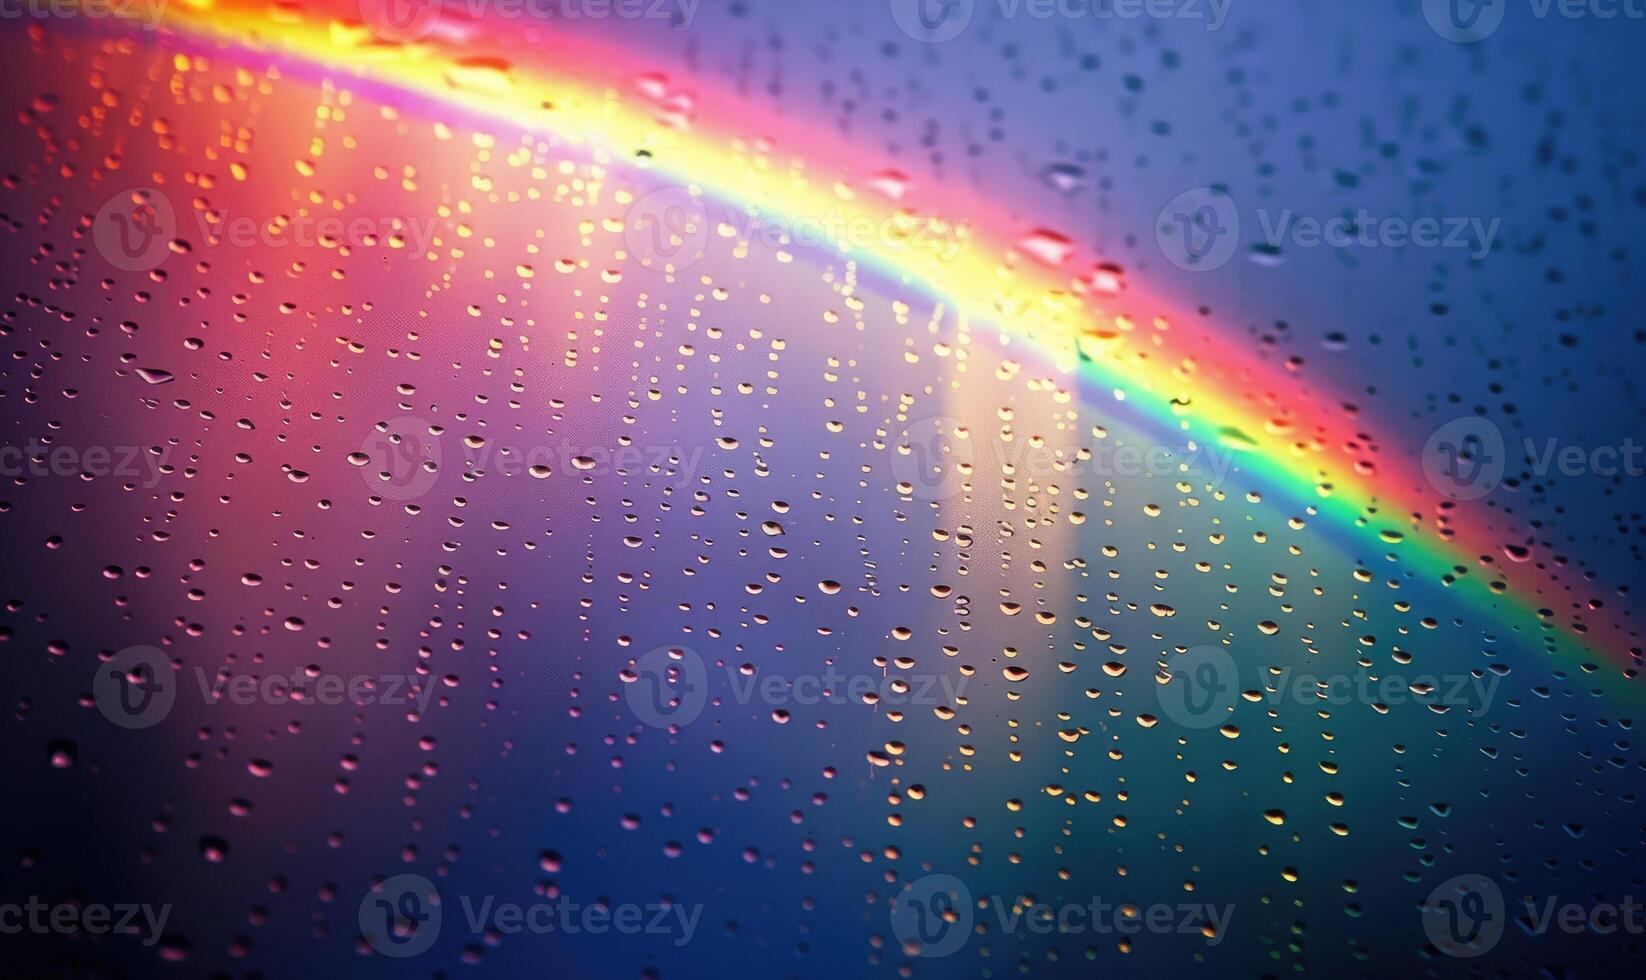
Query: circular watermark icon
x,y
1199,229
1465,21
400,917
929,458
932,21
1464,458
136,687
1464,916
933,916
667,229
400,21
1204,686
134,229
400,458
668,686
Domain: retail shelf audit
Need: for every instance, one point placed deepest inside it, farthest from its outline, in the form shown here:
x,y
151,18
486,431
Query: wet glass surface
x,y
873,489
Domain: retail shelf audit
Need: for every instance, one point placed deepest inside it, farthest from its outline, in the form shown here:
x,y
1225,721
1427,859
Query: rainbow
x,y
1029,284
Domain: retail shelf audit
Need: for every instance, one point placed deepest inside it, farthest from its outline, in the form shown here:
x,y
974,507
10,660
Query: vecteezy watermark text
x,y
1472,21
138,687
1465,916
145,13
404,21
1467,458
670,686
402,916
936,21
137,229
39,458
401,459
36,915
313,686
935,915
1201,687
1200,230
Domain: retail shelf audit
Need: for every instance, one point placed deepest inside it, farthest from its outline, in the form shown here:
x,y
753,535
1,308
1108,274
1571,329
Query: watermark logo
x,y
400,458
1464,459
932,21
136,688
933,916
667,229
134,229
400,21
400,917
1199,229
1464,916
1204,685
667,687
1465,21
931,460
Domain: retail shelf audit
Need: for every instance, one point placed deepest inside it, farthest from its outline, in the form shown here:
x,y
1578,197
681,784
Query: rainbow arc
x,y
1030,284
